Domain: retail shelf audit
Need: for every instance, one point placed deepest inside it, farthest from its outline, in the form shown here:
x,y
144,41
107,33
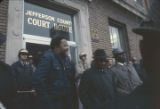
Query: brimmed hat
x,y
150,25
134,59
2,38
23,51
100,54
82,54
118,51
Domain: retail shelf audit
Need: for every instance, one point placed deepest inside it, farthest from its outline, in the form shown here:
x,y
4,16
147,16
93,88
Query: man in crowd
x,y
126,78
31,62
23,76
7,83
82,65
109,62
96,87
139,68
54,77
80,68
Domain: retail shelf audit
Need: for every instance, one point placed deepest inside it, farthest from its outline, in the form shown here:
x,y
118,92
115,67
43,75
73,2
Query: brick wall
x,y
3,25
99,12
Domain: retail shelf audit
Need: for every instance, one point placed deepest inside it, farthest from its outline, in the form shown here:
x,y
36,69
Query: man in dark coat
x,y
7,83
97,87
54,77
126,78
23,76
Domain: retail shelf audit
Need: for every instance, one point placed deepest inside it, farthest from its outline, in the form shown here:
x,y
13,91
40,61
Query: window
x,y
117,35
139,2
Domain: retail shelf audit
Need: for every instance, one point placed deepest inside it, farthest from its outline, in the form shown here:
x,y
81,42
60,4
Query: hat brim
x,y
146,31
83,55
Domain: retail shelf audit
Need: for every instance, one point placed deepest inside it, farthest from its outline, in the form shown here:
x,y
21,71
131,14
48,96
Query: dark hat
x,y
118,51
82,54
151,24
134,59
100,54
2,38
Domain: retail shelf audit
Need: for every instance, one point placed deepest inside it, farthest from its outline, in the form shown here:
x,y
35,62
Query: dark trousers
x,y
64,102
25,101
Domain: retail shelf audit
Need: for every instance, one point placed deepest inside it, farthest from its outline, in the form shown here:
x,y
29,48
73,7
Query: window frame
x,y
122,26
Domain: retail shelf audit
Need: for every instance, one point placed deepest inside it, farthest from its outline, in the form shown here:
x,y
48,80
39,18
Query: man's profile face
x,y
63,47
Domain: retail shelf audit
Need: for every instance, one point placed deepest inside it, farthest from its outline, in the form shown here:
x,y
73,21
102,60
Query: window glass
x,y
116,38
139,2
40,21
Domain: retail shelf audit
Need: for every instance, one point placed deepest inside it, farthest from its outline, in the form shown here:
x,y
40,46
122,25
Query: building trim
x,y
130,8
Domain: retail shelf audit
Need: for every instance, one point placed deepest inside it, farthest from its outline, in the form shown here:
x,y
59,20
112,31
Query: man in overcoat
x,y
97,86
125,76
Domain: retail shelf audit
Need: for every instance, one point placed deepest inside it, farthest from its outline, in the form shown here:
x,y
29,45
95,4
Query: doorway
x,y
36,50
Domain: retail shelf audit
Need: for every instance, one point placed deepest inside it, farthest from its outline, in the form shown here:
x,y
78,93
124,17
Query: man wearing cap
x,y
54,77
97,87
126,78
31,62
80,68
82,65
23,76
7,83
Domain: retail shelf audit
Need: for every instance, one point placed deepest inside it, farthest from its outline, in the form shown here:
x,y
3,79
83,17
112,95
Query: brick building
x,y
91,24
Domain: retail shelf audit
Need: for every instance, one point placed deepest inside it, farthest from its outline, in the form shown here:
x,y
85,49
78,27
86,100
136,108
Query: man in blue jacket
x,y
23,76
54,77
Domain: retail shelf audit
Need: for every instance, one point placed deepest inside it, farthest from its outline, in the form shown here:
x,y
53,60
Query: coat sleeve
x,y
40,76
134,76
84,90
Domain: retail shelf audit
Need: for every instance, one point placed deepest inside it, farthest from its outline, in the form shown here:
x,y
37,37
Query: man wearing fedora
x,y
96,87
125,76
7,83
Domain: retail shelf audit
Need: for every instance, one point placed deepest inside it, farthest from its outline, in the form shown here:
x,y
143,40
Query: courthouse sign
x,y
39,21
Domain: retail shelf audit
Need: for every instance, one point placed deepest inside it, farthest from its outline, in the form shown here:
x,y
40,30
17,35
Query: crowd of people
x,y
106,83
